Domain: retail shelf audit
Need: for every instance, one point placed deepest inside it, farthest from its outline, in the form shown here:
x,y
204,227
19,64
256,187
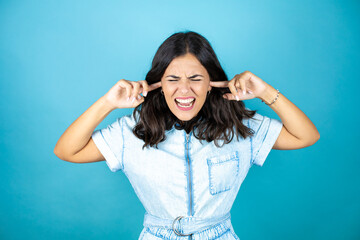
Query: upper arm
x,y
90,153
287,141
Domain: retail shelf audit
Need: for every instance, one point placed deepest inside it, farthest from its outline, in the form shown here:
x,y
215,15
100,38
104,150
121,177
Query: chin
x,y
185,119
182,117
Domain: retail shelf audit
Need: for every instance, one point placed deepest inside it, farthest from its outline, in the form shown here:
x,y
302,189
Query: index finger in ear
x,y
220,84
154,86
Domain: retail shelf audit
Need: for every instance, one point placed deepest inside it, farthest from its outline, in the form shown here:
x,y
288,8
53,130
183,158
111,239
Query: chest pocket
x,y
223,171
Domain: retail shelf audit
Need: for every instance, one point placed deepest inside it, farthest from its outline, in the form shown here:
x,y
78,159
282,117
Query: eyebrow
x,y
193,76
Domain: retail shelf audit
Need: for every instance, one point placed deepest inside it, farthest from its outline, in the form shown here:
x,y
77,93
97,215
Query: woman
x,y
190,141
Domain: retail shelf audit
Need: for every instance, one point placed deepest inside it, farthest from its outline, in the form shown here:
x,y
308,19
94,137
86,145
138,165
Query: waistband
x,y
184,226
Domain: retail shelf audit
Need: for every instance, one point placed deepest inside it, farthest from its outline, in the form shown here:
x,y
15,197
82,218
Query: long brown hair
x,y
219,118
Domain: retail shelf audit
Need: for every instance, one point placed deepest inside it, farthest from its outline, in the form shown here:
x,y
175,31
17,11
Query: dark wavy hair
x,y
219,119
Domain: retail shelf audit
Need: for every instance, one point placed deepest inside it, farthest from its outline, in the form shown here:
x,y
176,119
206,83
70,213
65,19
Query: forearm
x,y
78,134
294,120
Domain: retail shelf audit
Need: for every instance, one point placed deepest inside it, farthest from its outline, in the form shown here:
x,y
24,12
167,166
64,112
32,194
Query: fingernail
x,y
243,92
145,93
133,99
250,92
128,98
237,98
139,97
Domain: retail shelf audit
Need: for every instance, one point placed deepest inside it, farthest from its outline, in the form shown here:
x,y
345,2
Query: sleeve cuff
x,y
104,148
275,127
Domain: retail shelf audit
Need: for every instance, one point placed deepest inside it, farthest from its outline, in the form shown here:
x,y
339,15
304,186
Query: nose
x,y
184,86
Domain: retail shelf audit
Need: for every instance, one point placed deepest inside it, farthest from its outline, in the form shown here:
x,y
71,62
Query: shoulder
x,y
255,121
128,122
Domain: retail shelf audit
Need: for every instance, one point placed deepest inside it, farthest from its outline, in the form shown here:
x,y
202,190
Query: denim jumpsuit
x,y
186,186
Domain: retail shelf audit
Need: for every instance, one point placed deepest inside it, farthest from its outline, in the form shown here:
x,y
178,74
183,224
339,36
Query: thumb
x,y
229,96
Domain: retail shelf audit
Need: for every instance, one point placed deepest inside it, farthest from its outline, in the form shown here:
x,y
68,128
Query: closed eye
x,y
174,80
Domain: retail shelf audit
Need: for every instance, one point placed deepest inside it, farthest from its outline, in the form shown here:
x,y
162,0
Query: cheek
x,y
168,93
168,88
167,98
202,90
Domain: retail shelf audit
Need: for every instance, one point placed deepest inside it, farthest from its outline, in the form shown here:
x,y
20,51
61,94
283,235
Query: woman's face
x,y
185,84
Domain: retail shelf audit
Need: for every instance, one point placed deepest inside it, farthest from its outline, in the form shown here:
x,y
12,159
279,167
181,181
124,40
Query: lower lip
x,y
185,108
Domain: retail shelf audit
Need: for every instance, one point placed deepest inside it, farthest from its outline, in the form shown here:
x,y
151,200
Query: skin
x,y
76,144
298,130
185,77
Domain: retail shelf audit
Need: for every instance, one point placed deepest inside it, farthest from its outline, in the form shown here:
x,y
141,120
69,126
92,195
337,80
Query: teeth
x,y
185,100
185,106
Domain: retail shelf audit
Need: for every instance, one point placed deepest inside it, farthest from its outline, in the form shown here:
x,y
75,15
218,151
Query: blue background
x,y
58,57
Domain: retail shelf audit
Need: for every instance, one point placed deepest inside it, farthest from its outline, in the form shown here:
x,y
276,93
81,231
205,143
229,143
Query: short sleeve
x,y
110,143
267,131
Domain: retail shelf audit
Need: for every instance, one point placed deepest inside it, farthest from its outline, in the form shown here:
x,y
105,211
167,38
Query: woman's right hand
x,y
126,94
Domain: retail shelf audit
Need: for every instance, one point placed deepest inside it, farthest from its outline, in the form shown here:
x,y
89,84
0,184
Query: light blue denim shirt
x,y
185,177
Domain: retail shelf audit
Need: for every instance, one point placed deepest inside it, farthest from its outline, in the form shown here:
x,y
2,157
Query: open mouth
x,y
185,103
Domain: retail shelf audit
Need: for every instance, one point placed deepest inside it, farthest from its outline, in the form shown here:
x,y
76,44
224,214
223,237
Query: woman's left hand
x,y
243,86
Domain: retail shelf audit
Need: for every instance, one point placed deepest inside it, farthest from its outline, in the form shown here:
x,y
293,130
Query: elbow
x,y
317,137
60,155
57,152
314,139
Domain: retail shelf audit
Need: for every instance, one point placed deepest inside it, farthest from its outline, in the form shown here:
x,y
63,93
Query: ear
x,y
209,88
